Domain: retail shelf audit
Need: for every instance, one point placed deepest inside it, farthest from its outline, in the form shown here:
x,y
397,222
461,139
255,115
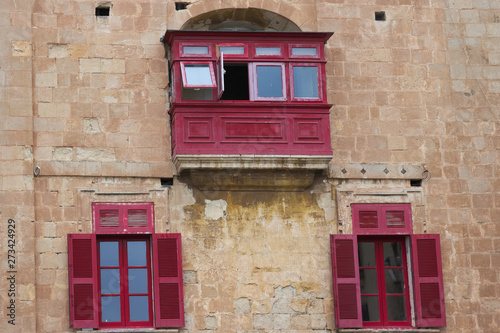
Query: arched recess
x,y
240,19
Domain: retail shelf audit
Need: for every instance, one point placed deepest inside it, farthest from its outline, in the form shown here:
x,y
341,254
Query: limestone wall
x,y
17,278
83,98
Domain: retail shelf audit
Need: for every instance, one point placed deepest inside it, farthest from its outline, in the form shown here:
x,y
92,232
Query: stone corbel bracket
x,y
251,172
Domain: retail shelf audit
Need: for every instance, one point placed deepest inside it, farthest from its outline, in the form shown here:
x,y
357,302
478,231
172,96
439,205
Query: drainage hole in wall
x,y
167,182
416,182
181,5
379,16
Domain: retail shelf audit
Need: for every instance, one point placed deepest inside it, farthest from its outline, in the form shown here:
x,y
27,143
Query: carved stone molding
x,y
251,162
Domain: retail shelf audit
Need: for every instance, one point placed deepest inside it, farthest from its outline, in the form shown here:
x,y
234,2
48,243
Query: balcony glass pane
x,y
195,49
304,51
305,82
269,81
268,51
198,75
232,49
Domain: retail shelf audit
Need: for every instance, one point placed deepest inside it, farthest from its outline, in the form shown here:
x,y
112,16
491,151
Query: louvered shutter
x,y
169,298
123,218
138,217
381,219
428,279
346,287
82,268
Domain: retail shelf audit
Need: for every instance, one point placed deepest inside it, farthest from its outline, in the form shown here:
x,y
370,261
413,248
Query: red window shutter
x,y
169,298
428,279
82,269
123,218
381,219
138,217
346,288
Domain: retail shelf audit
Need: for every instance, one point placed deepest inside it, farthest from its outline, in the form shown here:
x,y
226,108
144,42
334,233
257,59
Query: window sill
x,y
133,330
388,330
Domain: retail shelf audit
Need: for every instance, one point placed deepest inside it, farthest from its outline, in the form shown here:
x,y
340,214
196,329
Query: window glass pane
x,y
392,254
108,254
394,281
195,49
136,253
304,51
268,51
305,82
197,94
232,49
366,254
110,309
368,281
395,219
198,75
139,308
369,308
138,280
110,281
269,81
396,308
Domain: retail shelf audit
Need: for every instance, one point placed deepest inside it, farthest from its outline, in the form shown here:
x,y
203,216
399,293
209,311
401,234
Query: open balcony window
x,y
198,75
268,81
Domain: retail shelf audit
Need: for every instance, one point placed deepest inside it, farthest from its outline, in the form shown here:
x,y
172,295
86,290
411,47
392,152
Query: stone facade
x,y
83,105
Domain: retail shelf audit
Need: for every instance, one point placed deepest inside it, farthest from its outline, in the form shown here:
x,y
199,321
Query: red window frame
x,y
185,78
123,281
292,82
230,55
312,46
427,277
382,293
164,271
254,89
195,55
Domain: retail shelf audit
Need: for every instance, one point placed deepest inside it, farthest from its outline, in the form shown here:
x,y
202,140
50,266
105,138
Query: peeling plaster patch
x,y
216,209
326,203
21,48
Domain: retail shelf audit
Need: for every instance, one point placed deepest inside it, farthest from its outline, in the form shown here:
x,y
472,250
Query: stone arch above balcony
x,y
241,19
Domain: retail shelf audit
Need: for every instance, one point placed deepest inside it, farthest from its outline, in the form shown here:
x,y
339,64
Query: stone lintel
x,y
376,171
251,162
